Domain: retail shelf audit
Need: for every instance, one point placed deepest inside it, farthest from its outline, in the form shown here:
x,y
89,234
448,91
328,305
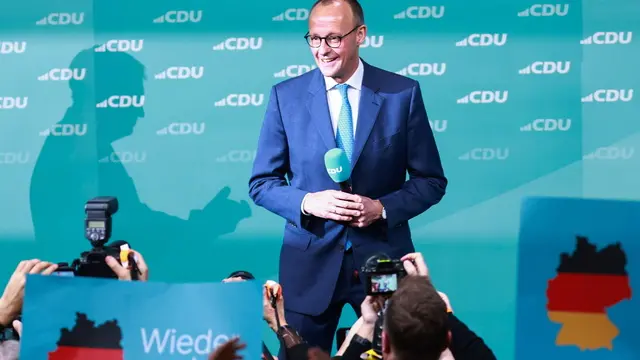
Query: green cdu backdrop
x,y
160,103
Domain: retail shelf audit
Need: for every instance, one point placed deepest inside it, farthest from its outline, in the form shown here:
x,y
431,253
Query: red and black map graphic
x,y
86,341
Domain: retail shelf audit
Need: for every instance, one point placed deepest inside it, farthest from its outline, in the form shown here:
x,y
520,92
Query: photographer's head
x,y
415,322
239,275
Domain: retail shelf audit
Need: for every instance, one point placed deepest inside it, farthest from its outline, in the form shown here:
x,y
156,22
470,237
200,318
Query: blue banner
x,y
578,269
101,319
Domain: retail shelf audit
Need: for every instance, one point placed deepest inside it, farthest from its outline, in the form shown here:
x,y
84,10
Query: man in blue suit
x,y
378,118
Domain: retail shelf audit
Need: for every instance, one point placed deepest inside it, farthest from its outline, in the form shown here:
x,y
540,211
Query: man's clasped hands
x,y
359,211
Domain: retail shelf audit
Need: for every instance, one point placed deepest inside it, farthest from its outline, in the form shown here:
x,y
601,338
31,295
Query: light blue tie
x,y
344,135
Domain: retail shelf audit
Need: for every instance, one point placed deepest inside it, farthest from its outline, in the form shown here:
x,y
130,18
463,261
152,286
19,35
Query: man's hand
x,y
334,205
229,350
371,212
414,264
370,308
11,301
123,273
268,312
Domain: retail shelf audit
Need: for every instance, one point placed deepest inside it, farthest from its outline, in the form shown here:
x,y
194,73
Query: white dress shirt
x,y
334,100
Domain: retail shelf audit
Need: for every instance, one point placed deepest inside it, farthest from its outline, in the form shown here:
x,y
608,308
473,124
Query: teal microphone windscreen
x,y
338,165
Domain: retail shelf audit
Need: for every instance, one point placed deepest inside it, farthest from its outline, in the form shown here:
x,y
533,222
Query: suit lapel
x,y
370,103
318,107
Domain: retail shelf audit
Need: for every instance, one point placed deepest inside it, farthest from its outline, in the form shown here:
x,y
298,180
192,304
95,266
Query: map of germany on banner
x,y
103,319
577,271
588,282
88,341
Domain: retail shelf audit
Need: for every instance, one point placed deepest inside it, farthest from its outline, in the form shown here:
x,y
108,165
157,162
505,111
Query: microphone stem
x,y
345,186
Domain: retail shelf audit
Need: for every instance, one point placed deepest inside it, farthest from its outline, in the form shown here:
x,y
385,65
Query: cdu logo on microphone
x,y
337,165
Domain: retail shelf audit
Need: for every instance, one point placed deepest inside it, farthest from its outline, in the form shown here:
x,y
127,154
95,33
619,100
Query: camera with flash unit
x,y
382,274
97,229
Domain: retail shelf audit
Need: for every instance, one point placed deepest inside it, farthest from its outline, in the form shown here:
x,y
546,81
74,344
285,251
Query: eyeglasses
x,y
332,41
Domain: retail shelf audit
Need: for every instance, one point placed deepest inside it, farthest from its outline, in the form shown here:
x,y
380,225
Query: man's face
x,y
336,20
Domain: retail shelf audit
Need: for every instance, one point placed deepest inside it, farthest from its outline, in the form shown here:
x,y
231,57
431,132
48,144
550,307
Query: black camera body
x,y
92,263
382,274
97,229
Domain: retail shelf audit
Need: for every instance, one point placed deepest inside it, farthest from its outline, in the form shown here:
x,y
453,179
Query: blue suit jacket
x,y
393,137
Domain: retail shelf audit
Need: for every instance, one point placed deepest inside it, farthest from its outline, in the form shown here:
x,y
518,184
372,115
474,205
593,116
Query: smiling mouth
x,y
326,61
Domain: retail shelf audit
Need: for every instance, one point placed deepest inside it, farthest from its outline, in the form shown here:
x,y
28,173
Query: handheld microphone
x,y
339,168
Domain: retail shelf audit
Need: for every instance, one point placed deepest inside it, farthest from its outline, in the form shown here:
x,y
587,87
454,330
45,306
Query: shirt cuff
x,y
302,205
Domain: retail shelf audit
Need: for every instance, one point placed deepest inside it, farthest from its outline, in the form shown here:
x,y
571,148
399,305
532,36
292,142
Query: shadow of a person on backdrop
x,y
78,162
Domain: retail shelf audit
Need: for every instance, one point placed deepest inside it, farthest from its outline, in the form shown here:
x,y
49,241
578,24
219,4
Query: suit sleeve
x,y
268,186
427,183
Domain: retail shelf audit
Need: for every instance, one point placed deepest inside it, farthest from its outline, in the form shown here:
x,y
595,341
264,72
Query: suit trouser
x,y
319,331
